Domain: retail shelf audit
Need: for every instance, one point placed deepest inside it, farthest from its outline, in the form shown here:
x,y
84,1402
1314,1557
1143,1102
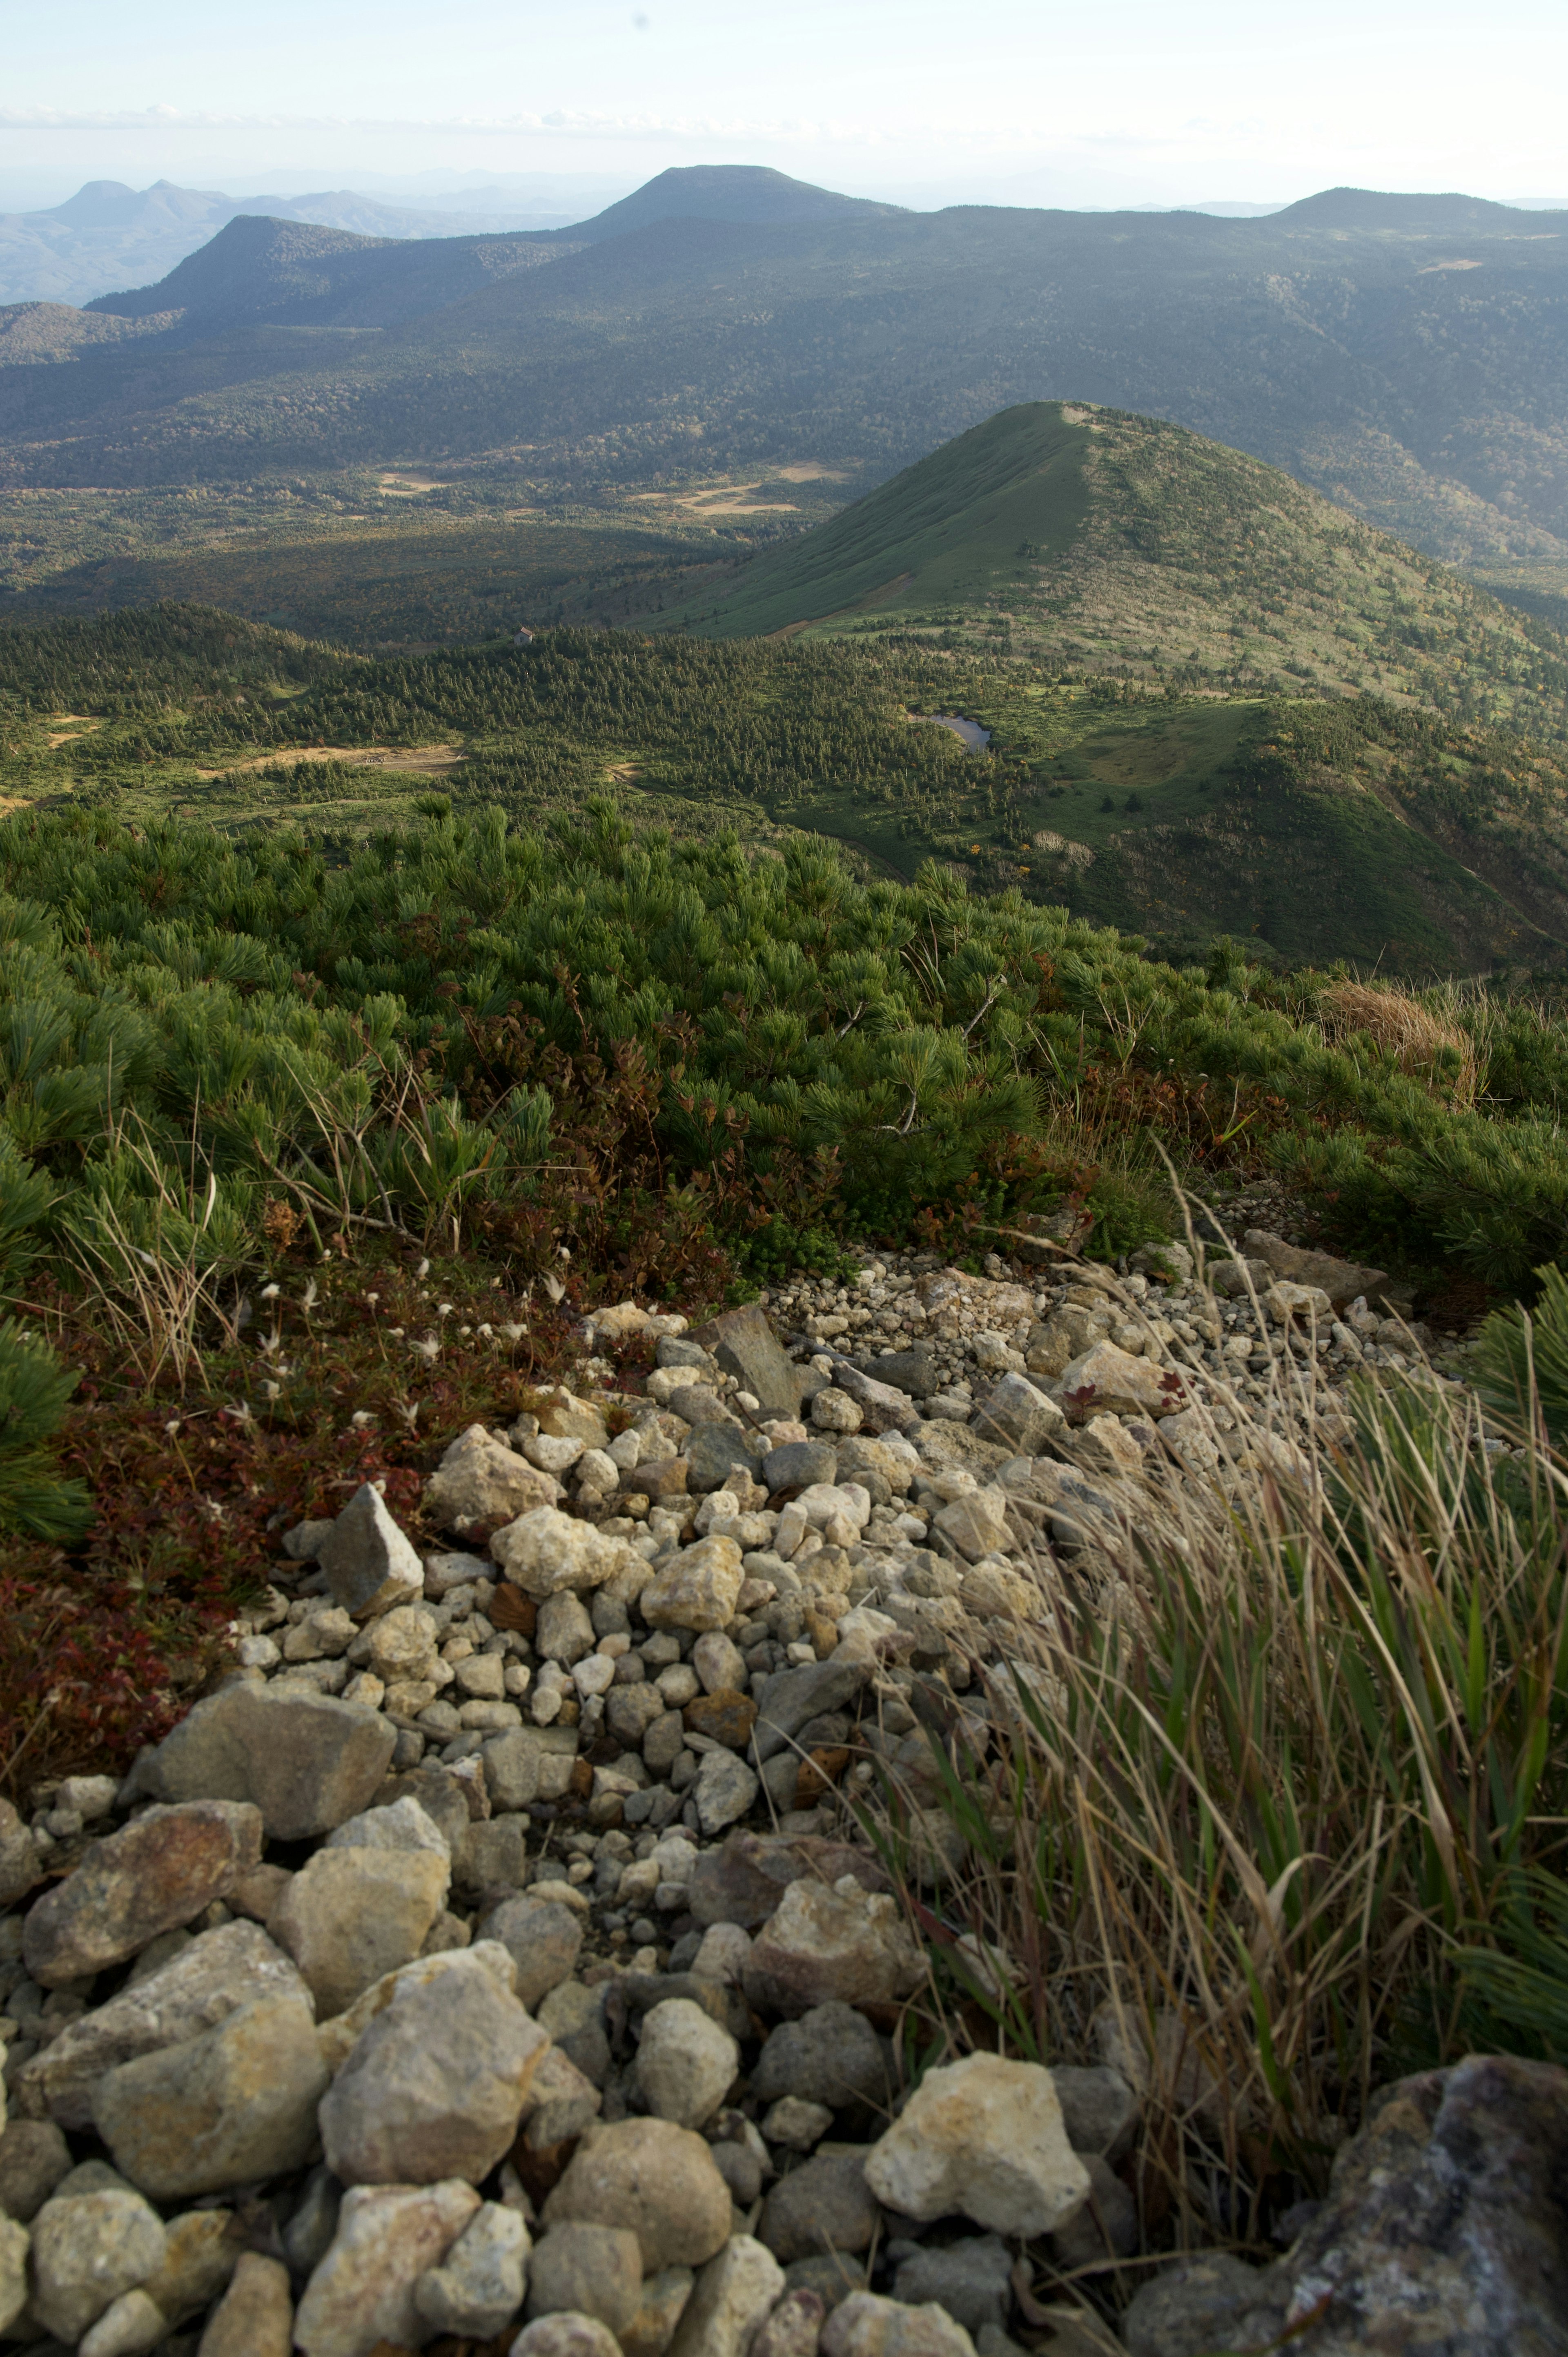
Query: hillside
x,y
1076,535
1407,356
1316,829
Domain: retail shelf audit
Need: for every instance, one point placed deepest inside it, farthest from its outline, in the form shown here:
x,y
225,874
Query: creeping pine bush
x,y
35,1502
392,1042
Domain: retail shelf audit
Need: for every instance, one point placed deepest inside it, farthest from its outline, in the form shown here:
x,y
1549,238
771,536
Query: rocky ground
x,y
494,1961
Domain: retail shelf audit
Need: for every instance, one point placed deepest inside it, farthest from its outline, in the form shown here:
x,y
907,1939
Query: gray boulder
x,y
162,1869
228,2108
747,1347
1443,2231
370,1564
305,1760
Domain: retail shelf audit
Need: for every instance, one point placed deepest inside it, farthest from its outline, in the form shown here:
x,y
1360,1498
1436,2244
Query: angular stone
x,y
946,1448
732,2296
20,1866
255,2315
369,1563
86,2251
129,2327
480,1482
794,2328
975,1525
686,2063
1341,1280
824,2205
913,1371
983,2137
200,2249
15,2242
479,2288
33,2157
434,2087
822,1944
866,2326
1300,1305
971,2281
350,1915
798,1464
1017,1413
363,2291
664,2297
831,2055
1100,2111
1443,2231
1188,2309
566,2335
659,2181
714,1451
586,2270
491,1857
743,1882
542,1937
746,1346
1106,1380
400,1826
162,1869
725,1790
697,1590
563,1417
202,1986
726,1718
305,1760
790,1699
339,2037
233,2105
882,1406
546,1551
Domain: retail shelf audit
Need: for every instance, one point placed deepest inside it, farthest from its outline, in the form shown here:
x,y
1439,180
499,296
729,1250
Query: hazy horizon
x,y
1032,105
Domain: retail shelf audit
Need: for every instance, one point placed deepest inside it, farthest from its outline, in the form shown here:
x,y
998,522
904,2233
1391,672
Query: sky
x,y
1000,101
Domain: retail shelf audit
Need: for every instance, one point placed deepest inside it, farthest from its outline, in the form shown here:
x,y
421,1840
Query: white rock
x,y
88,2248
866,2326
546,1551
798,2126
363,2291
723,1954
565,2334
434,2087
480,2287
984,2137
697,1588
129,2327
401,1826
481,1480
551,1455
405,1642
686,2062
731,2296
13,2244
350,1916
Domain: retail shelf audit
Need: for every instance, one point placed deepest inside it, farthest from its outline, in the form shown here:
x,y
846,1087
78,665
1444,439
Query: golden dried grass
x,y
1420,1040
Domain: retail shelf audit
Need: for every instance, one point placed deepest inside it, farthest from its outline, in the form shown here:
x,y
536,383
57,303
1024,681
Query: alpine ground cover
x,y
312,1158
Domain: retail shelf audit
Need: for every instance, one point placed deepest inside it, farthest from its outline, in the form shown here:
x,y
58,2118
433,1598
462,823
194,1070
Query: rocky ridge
x,y
492,1961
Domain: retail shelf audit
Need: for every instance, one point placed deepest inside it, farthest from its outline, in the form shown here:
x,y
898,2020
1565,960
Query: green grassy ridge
x,y
1318,829
261,1006
1083,535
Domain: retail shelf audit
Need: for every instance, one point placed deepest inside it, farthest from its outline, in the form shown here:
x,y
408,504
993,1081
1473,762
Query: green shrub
x,y
35,1502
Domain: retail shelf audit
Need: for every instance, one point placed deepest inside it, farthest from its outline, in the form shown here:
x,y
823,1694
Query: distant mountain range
x,y
1407,355
110,235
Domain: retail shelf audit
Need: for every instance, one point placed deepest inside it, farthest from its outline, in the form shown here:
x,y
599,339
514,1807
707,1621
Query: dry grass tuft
x,y
1420,1040
1272,1756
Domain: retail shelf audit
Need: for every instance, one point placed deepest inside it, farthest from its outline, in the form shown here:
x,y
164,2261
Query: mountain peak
x,y
752,194
1389,209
